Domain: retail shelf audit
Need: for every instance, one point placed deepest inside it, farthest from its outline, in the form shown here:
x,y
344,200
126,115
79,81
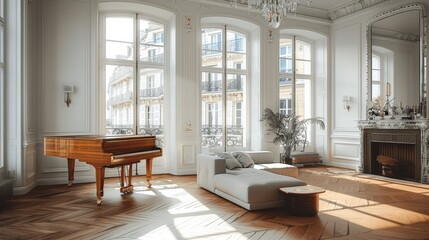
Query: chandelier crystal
x,y
274,11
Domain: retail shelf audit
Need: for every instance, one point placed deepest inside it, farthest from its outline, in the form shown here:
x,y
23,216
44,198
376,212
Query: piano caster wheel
x,y
69,184
98,202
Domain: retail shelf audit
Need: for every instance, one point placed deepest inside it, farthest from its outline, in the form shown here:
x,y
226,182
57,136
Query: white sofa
x,y
252,188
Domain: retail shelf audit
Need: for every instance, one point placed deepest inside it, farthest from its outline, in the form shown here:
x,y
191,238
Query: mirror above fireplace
x,y
396,58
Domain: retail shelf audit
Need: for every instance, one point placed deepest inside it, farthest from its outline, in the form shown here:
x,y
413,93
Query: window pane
x,y
151,42
236,48
375,91
303,67
211,48
151,102
236,96
303,98
285,65
285,95
303,50
211,110
286,48
376,61
120,38
303,103
376,75
1,8
119,100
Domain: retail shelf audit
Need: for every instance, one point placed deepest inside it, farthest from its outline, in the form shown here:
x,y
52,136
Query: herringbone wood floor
x,y
353,207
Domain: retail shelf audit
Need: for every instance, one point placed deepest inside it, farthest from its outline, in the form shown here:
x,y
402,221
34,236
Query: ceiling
x,y
326,6
329,5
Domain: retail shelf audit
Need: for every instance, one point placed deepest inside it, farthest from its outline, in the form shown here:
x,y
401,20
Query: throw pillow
x,y
231,161
245,160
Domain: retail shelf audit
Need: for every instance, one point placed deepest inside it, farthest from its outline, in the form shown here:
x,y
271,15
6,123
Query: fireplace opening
x,y
404,145
405,155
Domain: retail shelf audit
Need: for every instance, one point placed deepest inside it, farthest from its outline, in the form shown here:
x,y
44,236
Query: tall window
x,y
223,88
2,85
295,78
376,76
134,63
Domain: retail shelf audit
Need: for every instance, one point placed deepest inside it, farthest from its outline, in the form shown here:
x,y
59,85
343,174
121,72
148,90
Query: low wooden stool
x,y
302,200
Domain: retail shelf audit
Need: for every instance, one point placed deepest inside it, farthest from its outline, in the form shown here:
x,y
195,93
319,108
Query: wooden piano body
x,y
102,152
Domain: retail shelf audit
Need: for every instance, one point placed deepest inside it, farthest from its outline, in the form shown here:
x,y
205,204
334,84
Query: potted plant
x,y
288,129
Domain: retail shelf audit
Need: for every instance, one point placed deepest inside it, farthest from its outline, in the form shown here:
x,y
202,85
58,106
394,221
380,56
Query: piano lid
x,y
100,143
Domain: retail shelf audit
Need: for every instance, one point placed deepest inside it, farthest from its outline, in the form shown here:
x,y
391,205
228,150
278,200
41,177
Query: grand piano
x,y
102,152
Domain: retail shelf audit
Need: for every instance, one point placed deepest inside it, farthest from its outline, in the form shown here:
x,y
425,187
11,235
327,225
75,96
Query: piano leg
x,y
70,167
99,178
149,172
126,186
130,178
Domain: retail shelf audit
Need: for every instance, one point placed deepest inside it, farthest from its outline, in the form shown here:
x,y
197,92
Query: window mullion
x,y
137,76
224,86
293,75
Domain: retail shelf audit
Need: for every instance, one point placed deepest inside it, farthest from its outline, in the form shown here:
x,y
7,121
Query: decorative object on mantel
x,y
288,130
388,165
274,11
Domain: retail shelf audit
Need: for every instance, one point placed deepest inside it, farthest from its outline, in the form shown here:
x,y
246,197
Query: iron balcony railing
x,y
127,129
122,98
212,136
216,86
159,58
236,45
152,92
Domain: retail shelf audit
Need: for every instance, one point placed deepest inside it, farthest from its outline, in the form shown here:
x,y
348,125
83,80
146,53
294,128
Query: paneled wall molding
x,y
353,8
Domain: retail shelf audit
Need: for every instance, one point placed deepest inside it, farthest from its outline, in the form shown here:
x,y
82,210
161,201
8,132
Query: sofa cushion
x,y
244,159
261,156
231,161
254,186
278,168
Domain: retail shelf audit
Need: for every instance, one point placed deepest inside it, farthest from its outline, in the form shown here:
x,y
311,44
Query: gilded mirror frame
x,y
422,58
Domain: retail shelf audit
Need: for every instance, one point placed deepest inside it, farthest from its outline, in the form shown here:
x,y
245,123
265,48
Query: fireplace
x,y
401,144
405,141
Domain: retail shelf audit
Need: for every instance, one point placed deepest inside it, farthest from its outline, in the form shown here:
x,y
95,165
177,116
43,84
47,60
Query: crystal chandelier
x,y
274,11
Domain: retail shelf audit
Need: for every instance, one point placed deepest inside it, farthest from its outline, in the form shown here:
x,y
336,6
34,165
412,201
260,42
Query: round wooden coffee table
x,y
302,200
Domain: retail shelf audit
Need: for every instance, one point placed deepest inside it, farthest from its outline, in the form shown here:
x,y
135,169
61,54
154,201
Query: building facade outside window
x,y
135,65
219,70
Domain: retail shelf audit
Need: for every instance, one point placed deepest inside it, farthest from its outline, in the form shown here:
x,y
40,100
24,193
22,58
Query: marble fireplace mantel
x,y
402,125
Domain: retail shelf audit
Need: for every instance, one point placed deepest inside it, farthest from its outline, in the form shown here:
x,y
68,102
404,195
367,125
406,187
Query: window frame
x,y
295,78
2,82
231,71
136,63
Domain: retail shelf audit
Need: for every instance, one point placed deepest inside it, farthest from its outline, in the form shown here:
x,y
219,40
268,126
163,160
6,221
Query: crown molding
x,y
353,8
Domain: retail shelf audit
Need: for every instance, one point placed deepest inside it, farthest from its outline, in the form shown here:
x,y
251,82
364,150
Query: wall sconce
x,y
68,90
346,100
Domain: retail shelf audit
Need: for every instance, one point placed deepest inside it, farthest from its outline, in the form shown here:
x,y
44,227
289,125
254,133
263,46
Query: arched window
x,y
223,88
134,60
296,79
230,62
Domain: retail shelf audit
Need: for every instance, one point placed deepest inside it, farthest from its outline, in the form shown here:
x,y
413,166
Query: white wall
x,y
348,41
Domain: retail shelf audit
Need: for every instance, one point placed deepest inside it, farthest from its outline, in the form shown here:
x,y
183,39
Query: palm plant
x,y
288,129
